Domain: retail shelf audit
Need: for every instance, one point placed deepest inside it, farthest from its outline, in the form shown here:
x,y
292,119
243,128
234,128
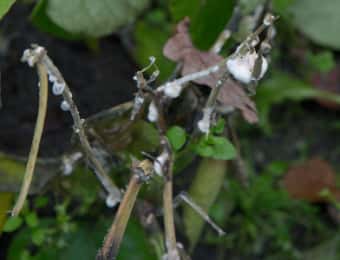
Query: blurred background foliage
x,y
297,103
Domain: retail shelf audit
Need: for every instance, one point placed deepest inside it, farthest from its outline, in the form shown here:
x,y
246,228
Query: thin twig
x,y
99,170
39,126
184,197
114,237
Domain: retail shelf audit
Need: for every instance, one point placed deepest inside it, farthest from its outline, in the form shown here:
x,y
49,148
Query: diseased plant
x,y
231,79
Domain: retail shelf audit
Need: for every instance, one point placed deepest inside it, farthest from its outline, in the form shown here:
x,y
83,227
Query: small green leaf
x,y
38,236
40,202
31,219
12,224
323,61
5,5
176,136
94,18
215,147
219,127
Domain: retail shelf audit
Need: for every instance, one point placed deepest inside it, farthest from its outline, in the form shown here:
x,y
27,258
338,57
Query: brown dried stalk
x,y
43,97
113,239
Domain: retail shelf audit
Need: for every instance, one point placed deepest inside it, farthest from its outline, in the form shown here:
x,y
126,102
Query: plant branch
x,y
99,170
112,242
43,97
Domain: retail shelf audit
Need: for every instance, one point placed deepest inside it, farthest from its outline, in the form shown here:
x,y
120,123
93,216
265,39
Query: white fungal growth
x,y
204,123
155,74
264,67
159,163
172,90
58,88
31,56
65,106
69,161
52,78
215,68
268,19
242,66
152,59
111,200
153,112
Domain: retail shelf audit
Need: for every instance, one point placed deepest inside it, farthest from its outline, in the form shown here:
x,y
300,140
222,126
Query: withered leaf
x,y
179,48
307,180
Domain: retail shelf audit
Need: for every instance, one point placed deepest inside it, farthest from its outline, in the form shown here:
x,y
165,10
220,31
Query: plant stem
x,y
170,234
114,237
39,126
99,170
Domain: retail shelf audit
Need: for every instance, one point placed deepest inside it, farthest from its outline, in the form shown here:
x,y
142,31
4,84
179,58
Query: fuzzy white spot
x,y
204,123
268,19
155,74
65,106
264,67
215,68
172,90
242,66
159,163
152,59
153,112
58,88
111,200
51,78
69,161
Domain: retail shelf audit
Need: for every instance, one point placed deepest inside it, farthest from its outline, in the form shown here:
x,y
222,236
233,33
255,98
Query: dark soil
x,y
98,80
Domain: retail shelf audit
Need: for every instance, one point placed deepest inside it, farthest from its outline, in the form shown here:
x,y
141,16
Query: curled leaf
x,y
179,48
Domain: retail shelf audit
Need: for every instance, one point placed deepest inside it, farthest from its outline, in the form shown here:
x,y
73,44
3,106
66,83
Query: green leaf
x,y
208,18
318,20
150,39
94,18
203,191
5,206
40,19
38,236
31,219
281,87
5,5
176,136
219,127
40,202
12,224
135,240
215,147
322,62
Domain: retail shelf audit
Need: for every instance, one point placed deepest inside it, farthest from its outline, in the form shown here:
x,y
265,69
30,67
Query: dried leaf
x,y
307,180
179,48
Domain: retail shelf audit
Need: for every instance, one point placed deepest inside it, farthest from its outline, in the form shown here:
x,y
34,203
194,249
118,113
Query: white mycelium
x,y
153,112
204,123
159,163
172,90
